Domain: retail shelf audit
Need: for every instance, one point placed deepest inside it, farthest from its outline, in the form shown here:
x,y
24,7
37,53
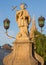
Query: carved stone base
x,y
21,54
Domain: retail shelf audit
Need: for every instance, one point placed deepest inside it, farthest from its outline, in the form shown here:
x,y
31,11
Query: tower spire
x,y
33,28
33,24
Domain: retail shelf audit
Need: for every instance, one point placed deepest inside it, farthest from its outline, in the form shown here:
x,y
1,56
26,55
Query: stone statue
x,y
23,20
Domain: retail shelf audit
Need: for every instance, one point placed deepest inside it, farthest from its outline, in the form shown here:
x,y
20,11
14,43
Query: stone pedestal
x,y
22,54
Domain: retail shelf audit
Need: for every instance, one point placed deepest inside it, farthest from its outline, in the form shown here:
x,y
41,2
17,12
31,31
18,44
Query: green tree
x,y
40,42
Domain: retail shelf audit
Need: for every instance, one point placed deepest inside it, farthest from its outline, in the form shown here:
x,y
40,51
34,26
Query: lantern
x,y
41,21
6,23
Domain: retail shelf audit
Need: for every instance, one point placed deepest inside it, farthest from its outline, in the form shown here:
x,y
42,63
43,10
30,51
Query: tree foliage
x,y
40,41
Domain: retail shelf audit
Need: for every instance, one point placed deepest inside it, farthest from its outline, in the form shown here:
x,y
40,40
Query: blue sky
x,y
35,7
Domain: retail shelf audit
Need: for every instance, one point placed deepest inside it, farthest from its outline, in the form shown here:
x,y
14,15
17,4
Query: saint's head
x,y
23,6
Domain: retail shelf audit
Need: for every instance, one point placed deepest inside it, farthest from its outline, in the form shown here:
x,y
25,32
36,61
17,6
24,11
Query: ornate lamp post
x,y
6,26
41,21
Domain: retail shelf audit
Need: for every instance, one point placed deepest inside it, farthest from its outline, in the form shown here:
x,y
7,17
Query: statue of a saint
x,y
23,20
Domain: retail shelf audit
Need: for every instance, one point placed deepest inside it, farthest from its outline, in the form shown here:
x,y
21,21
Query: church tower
x,y
33,28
